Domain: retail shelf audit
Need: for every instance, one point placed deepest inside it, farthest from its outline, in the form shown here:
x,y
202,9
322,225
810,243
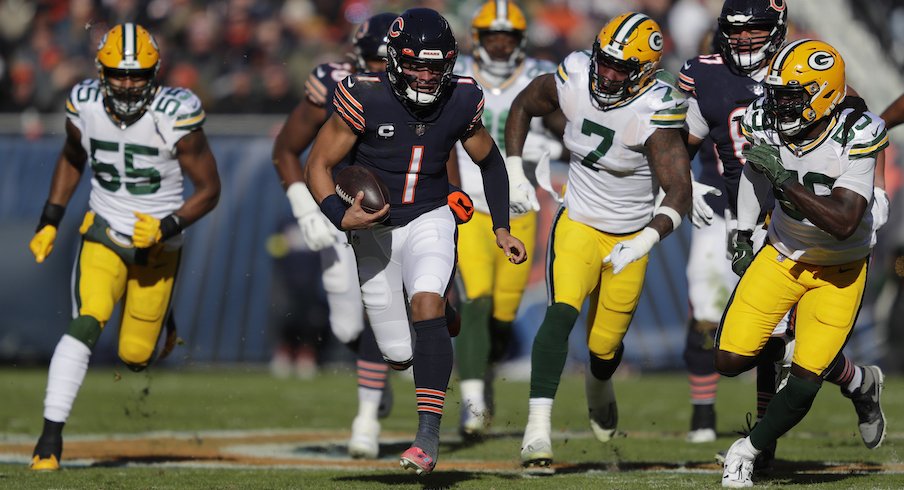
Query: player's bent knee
x,y
86,329
135,355
730,364
604,368
399,365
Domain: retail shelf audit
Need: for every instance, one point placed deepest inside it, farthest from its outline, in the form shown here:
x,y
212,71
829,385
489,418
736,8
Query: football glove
x,y
522,195
42,243
317,232
767,160
461,205
702,214
147,231
623,253
743,251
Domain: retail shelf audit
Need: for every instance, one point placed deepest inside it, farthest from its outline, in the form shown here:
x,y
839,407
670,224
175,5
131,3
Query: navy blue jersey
x,y
321,83
722,97
406,151
319,89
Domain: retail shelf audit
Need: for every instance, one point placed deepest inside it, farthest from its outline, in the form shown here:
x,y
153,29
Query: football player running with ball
x,y
340,272
493,286
402,124
719,87
821,171
624,134
140,140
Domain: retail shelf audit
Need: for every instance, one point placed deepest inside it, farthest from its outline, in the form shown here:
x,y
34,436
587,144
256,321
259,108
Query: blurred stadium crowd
x,y
252,56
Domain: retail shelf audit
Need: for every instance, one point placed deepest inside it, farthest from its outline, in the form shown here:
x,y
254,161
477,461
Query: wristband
x,y
671,214
51,215
334,209
170,227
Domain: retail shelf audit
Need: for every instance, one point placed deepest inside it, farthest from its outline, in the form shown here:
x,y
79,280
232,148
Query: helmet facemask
x,y
422,90
502,68
748,54
128,103
607,91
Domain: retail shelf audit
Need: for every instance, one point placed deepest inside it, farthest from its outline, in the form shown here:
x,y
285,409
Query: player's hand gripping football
x,y
702,214
42,243
513,247
766,159
356,218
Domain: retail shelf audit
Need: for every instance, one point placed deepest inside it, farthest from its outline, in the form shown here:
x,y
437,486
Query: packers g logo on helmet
x,y
804,83
630,43
128,50
498,16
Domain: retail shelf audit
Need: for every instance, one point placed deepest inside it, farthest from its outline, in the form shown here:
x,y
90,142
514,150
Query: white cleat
x,y
364,443
700,436
738,467
536,452
473,423
602,407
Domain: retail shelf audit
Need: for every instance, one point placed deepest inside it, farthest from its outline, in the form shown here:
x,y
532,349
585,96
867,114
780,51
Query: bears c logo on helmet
x,y
396,27
821,60
777,5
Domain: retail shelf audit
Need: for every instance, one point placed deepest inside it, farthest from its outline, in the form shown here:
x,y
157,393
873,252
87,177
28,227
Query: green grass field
x,y
308,421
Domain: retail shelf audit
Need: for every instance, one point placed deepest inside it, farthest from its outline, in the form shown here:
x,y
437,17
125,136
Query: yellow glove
x,y
42,243
147,230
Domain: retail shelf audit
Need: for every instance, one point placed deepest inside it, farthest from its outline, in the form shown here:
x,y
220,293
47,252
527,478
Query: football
x,y
355,178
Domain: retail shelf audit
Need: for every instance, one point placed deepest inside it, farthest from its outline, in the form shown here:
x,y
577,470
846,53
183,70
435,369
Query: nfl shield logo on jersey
x,y
419,128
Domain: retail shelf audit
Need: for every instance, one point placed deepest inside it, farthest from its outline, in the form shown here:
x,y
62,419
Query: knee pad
x,y
135,355
86,329
699,350
399,366
603,369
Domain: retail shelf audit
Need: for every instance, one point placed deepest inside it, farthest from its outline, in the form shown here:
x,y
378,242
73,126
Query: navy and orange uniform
x,y
717,99
408,150
321,83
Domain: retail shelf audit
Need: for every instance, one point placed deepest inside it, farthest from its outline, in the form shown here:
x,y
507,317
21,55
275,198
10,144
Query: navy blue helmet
x,y
421,54
748,54
370,39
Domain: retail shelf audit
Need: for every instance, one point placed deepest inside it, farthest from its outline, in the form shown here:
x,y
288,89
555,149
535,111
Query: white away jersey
x,y
610,184
497,101
820,166
134,168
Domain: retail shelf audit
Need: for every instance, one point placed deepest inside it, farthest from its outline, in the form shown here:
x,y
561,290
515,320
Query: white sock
x,y
539,416
369,402
68,367
472,395
856,381
748,446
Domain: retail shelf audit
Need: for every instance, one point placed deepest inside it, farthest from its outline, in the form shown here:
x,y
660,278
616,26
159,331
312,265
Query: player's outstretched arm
x,y
334,141
296,134
538,99
66,175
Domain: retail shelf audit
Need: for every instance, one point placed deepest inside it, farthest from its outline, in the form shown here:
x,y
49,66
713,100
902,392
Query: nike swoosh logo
x,y
876,132
687,66
320,72
351,82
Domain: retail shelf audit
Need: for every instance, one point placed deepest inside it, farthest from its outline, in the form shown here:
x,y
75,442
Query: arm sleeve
x,y
347,105
496,187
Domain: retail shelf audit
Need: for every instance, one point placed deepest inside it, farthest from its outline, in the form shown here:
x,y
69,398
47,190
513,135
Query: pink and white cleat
x,y
416,459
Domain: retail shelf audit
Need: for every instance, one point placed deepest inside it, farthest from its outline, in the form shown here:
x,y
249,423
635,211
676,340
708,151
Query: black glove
x,y
743,252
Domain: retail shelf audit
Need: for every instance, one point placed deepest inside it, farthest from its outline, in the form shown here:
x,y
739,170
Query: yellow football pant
x,y
575,270
484,268
828,299
102,279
